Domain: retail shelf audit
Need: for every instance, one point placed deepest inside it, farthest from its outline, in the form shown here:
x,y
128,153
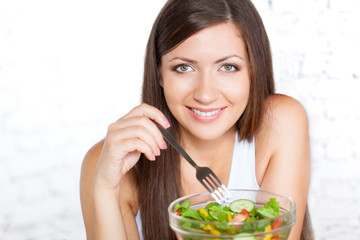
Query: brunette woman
x,y
208,76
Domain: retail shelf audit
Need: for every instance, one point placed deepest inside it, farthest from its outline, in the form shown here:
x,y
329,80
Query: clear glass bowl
x,y
189,229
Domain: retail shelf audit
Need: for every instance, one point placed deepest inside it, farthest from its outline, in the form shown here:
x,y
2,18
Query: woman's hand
x,y
105,169
126,139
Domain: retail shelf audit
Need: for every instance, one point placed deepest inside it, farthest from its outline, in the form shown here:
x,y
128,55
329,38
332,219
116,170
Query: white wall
x,y
316,54
69,68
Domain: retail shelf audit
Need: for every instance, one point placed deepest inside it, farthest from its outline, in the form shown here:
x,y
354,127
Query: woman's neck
x,y
209,152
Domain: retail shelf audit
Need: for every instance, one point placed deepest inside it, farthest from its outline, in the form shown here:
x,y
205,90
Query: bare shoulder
x,y
283,145
89,165
87,173
284,129
284,109
283,115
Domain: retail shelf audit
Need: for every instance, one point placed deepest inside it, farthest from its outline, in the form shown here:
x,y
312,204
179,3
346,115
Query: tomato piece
x,y
178,212
241,216
245,213
278,223
238,227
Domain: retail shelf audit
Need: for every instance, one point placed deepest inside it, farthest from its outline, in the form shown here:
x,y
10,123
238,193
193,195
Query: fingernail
x,y
152,157
166,123
157,152
164,145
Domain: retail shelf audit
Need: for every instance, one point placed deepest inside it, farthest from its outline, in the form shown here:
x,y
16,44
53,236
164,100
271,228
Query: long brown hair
x,y
159,181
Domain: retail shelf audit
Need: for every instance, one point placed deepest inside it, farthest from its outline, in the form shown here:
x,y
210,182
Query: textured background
x,y
69,68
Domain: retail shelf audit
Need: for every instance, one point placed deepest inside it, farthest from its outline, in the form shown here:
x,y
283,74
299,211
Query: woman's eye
x,y
229,68
182,68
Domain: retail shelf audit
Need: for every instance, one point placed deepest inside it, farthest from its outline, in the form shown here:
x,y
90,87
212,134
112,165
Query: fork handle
x,y
166,134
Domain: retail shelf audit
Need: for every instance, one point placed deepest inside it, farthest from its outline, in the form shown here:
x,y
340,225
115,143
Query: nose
x,y
206,89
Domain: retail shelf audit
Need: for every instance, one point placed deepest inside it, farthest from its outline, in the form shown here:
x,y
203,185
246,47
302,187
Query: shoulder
x,y
128,184
284,113
284,152
283,134
128,196
285,106
91,158
88,169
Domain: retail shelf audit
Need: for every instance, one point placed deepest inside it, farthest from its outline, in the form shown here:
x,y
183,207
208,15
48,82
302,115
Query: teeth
x,y
205,114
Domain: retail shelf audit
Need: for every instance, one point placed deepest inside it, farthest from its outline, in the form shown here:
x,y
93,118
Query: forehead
x,y
214,41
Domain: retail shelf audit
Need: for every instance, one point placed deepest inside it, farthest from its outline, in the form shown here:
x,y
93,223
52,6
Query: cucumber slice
x,y
237,205
264,214
239,237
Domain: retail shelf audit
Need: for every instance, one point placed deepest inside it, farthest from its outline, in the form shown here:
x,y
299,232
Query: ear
x,y
161,81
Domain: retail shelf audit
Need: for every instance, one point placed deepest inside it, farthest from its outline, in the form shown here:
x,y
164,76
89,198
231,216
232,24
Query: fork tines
x,y
216,188
204,174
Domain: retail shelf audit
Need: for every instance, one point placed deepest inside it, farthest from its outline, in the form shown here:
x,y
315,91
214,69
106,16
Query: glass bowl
x,y
189,229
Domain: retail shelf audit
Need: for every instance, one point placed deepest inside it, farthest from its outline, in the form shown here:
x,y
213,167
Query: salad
x,y
242,211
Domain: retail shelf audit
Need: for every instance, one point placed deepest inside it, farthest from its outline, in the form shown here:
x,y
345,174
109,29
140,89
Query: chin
x,y
207,133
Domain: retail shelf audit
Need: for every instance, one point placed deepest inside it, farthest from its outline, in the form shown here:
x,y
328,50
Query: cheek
x,y
237,91
169,86
173,91
176,88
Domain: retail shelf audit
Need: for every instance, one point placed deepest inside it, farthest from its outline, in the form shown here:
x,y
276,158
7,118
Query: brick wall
x,y
315,45
69,68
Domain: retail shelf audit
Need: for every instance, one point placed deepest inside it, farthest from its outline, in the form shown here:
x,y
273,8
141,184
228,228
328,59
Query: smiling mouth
x,y
205,114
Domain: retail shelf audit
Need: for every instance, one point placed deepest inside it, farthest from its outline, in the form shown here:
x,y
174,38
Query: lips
x,y
205,115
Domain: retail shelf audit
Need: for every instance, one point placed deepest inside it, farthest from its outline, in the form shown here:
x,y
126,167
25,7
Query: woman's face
x,y
206,81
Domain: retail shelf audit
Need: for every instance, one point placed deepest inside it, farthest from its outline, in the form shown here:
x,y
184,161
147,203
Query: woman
x,y
208,74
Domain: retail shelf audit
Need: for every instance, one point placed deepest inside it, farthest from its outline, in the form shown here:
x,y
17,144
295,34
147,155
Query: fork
x,y
204,174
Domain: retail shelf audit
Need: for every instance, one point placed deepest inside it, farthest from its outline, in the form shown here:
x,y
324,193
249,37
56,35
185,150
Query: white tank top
x,y
242,173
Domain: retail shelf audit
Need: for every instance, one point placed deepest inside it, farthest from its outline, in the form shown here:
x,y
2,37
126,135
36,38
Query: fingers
x,y
139,124
143,124
132,147
134,134
138,137
149,112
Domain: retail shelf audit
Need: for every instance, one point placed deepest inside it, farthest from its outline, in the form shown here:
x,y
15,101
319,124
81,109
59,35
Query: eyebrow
x,y
183,59
227,57
217,61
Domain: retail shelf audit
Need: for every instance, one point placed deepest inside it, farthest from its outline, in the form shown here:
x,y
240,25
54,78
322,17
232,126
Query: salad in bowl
x,y
247,215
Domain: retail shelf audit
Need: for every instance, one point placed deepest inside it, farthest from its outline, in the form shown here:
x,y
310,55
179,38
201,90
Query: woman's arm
x,y
108,181
288,170
107,214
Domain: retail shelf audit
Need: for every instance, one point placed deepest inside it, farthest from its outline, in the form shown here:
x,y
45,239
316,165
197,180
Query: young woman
x,y
208,76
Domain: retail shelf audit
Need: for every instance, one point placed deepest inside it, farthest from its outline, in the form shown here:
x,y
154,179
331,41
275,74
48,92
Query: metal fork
x,y
204,174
